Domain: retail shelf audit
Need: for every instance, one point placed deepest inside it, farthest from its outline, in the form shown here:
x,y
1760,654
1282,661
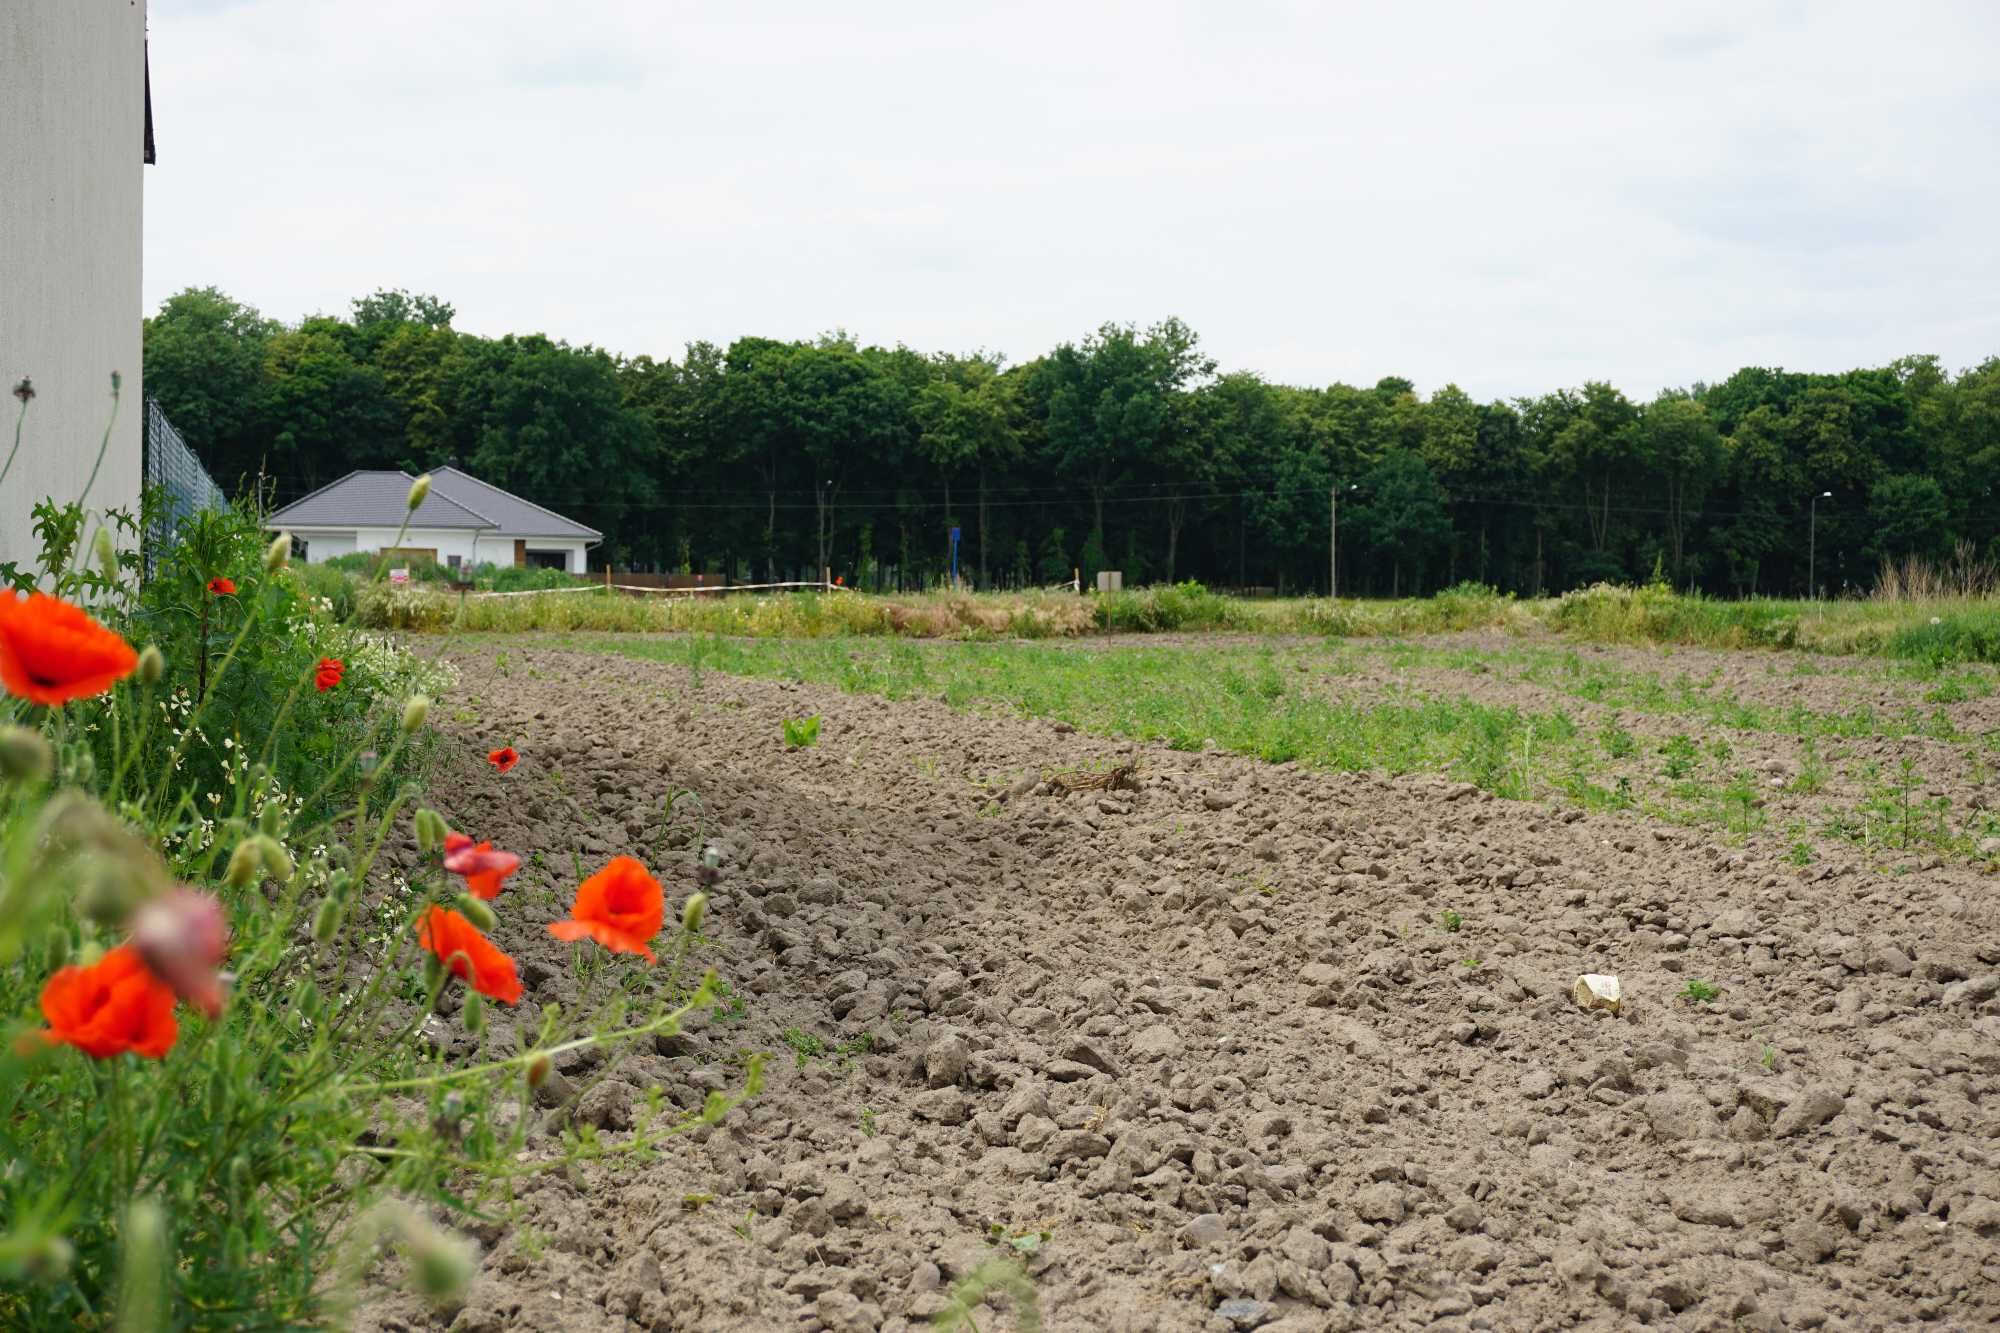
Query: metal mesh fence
x,y
176,477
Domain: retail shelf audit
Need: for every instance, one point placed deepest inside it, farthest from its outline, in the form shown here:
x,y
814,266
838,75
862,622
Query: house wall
x,y
72,132
471,548
325,543
499,550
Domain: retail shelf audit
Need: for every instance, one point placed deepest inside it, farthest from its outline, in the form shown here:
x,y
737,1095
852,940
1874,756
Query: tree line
x,y
1125,449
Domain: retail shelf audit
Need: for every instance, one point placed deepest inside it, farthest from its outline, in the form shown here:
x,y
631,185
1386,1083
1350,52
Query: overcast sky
x,y
1512,196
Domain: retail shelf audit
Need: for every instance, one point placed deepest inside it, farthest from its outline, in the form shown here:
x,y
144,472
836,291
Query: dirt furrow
x,y
1207,1055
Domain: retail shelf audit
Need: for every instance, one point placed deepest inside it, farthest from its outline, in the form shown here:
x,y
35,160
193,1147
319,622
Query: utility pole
x,y
1812,543
1333,540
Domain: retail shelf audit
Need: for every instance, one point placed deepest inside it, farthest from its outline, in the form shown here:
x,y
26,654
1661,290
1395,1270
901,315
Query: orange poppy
x,y
52,652
472,957
482,867
222,587
112,1006
621,907
503,758
329,673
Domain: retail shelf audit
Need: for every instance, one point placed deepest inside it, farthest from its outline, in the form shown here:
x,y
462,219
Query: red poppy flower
x,y
112,1006
52,652
503,758
482,867
471,957
621,907
222,587
329,673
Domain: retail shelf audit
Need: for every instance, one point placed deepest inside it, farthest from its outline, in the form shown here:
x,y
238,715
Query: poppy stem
x,y
660,1023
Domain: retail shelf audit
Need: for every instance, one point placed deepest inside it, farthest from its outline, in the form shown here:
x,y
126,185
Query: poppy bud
x,y
431,829
279,553
152,665
340,881
326,920
538,1070
107,553
306,997
277,861
48,1258
691,914
268,819
441,1263
474,1013
142,1278
414,713
24,755
239,1174
246,864
477,912
434,973
112,889
420,489
83,770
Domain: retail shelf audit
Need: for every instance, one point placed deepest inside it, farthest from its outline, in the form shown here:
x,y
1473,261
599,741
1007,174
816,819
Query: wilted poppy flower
x,y
329,673
222,587
503,758
52,652
472,957
183,936
482,867
112,1006
621,907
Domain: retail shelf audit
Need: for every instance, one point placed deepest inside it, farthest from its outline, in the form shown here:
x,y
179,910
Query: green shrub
x,y
1176,606
1966,636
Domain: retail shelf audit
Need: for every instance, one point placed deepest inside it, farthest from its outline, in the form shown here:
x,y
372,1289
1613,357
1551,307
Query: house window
x,y
548,559
298,548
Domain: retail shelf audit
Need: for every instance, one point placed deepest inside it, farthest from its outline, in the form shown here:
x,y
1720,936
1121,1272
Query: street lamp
x,y
1812,542
1333,540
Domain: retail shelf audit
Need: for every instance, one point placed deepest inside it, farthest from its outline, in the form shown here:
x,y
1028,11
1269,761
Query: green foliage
x,y
1127,445
1972,635
1698,991
801,733
247,1177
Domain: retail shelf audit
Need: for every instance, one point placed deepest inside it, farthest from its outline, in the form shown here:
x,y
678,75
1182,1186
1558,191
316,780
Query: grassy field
x,y
1956,630
1698,752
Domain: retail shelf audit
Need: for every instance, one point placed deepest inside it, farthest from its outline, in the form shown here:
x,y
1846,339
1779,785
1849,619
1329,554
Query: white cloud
x,y
1514,197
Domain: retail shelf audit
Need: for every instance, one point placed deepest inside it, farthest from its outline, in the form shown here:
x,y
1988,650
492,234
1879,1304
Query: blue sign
x,y
954,557
954,534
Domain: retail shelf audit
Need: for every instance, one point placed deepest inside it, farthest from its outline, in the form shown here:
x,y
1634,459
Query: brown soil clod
x,y
1222,1055
1119,777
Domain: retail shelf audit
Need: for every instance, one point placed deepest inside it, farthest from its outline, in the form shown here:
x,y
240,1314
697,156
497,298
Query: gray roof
x,y
510,513
380,499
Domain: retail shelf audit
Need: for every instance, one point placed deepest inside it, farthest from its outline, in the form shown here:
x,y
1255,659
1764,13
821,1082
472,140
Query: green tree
x,y
1400,512
1909,516
205,356
1684,449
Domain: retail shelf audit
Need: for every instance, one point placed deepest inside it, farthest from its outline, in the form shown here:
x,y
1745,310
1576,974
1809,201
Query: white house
x,y
464,522
75,131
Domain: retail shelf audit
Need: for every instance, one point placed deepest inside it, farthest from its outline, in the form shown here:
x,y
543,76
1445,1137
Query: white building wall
x,y
498,550
447,542
324,546
72,132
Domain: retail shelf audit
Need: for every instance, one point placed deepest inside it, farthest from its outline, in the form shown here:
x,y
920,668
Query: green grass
x,y
1235,698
